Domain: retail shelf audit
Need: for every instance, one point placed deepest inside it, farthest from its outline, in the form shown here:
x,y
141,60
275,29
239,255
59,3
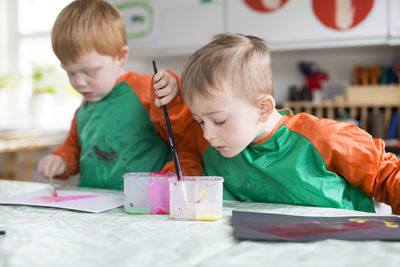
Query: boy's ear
x,y
266,104
122,57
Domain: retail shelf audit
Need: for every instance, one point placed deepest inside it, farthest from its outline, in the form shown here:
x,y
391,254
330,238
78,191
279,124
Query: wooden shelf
x,y
20,147
366,114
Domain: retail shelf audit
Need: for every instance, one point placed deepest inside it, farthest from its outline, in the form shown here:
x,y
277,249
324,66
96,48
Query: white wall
x,y
357,47
3,58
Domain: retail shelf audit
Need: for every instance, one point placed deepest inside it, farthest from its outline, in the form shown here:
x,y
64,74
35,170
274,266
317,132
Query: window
x,y
36,92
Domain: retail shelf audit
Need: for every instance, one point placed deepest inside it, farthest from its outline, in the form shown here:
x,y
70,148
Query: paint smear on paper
x,y
387,223
313,228
60,198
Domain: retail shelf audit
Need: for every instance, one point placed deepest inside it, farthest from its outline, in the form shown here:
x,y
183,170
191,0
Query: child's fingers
x,y
160,84
165,87
62,167
57,167
160,93
165,96
163,79
53,169
47,168
157,102
43,167
159,75
50,166
163,101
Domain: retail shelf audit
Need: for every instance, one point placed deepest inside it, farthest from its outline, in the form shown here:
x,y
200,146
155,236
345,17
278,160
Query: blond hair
x,y
87,25
242,60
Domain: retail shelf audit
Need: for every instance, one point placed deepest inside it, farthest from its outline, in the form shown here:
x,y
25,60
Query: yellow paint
x,y
202,193
208,218
387,223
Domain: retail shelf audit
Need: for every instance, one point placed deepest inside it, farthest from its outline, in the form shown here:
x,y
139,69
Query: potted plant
x,y
44,82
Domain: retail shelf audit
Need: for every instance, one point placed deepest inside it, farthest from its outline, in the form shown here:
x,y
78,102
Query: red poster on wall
x,y
342,15
265,5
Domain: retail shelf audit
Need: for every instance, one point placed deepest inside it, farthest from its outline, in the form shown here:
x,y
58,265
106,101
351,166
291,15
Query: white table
x,y
54,237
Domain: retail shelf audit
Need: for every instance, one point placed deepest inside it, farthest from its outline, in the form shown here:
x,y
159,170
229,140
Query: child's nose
x,y
79,81
208,133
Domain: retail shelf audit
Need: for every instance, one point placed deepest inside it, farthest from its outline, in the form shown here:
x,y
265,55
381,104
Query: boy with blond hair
x,y
115,130
270,155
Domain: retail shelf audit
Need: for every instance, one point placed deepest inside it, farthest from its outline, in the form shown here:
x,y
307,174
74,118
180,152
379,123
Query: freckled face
x,y
229,123
94,75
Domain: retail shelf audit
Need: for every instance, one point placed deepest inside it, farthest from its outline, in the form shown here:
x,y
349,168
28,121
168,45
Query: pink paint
x,y
147,192
60,199
158,198
161,174
162,211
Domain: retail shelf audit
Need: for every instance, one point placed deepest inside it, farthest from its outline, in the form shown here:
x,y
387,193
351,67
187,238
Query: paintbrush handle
x,y
52,185
51,181
177,164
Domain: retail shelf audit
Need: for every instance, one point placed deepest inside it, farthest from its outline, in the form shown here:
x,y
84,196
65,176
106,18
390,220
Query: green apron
x,y
116,136
287,168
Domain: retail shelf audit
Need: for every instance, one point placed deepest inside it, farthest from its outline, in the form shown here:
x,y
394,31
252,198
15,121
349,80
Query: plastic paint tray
x,y
146,192
196,198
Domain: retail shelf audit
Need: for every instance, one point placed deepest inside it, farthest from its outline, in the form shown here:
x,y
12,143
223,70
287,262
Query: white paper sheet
x,y
67,199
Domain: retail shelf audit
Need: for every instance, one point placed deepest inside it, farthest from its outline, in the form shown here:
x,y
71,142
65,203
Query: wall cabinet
x,y
181,27
300,24
394,21
175,27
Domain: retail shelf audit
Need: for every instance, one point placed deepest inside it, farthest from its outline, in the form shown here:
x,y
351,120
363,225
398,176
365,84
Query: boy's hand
x,y
51,166
166,88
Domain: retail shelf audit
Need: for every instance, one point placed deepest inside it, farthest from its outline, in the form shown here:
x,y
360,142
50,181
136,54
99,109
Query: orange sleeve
x,y
69,150
184,127
188,136
353,154
140,84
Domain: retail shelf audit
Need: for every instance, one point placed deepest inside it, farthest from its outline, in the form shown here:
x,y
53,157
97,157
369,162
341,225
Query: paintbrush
x,y
52,186
178,168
